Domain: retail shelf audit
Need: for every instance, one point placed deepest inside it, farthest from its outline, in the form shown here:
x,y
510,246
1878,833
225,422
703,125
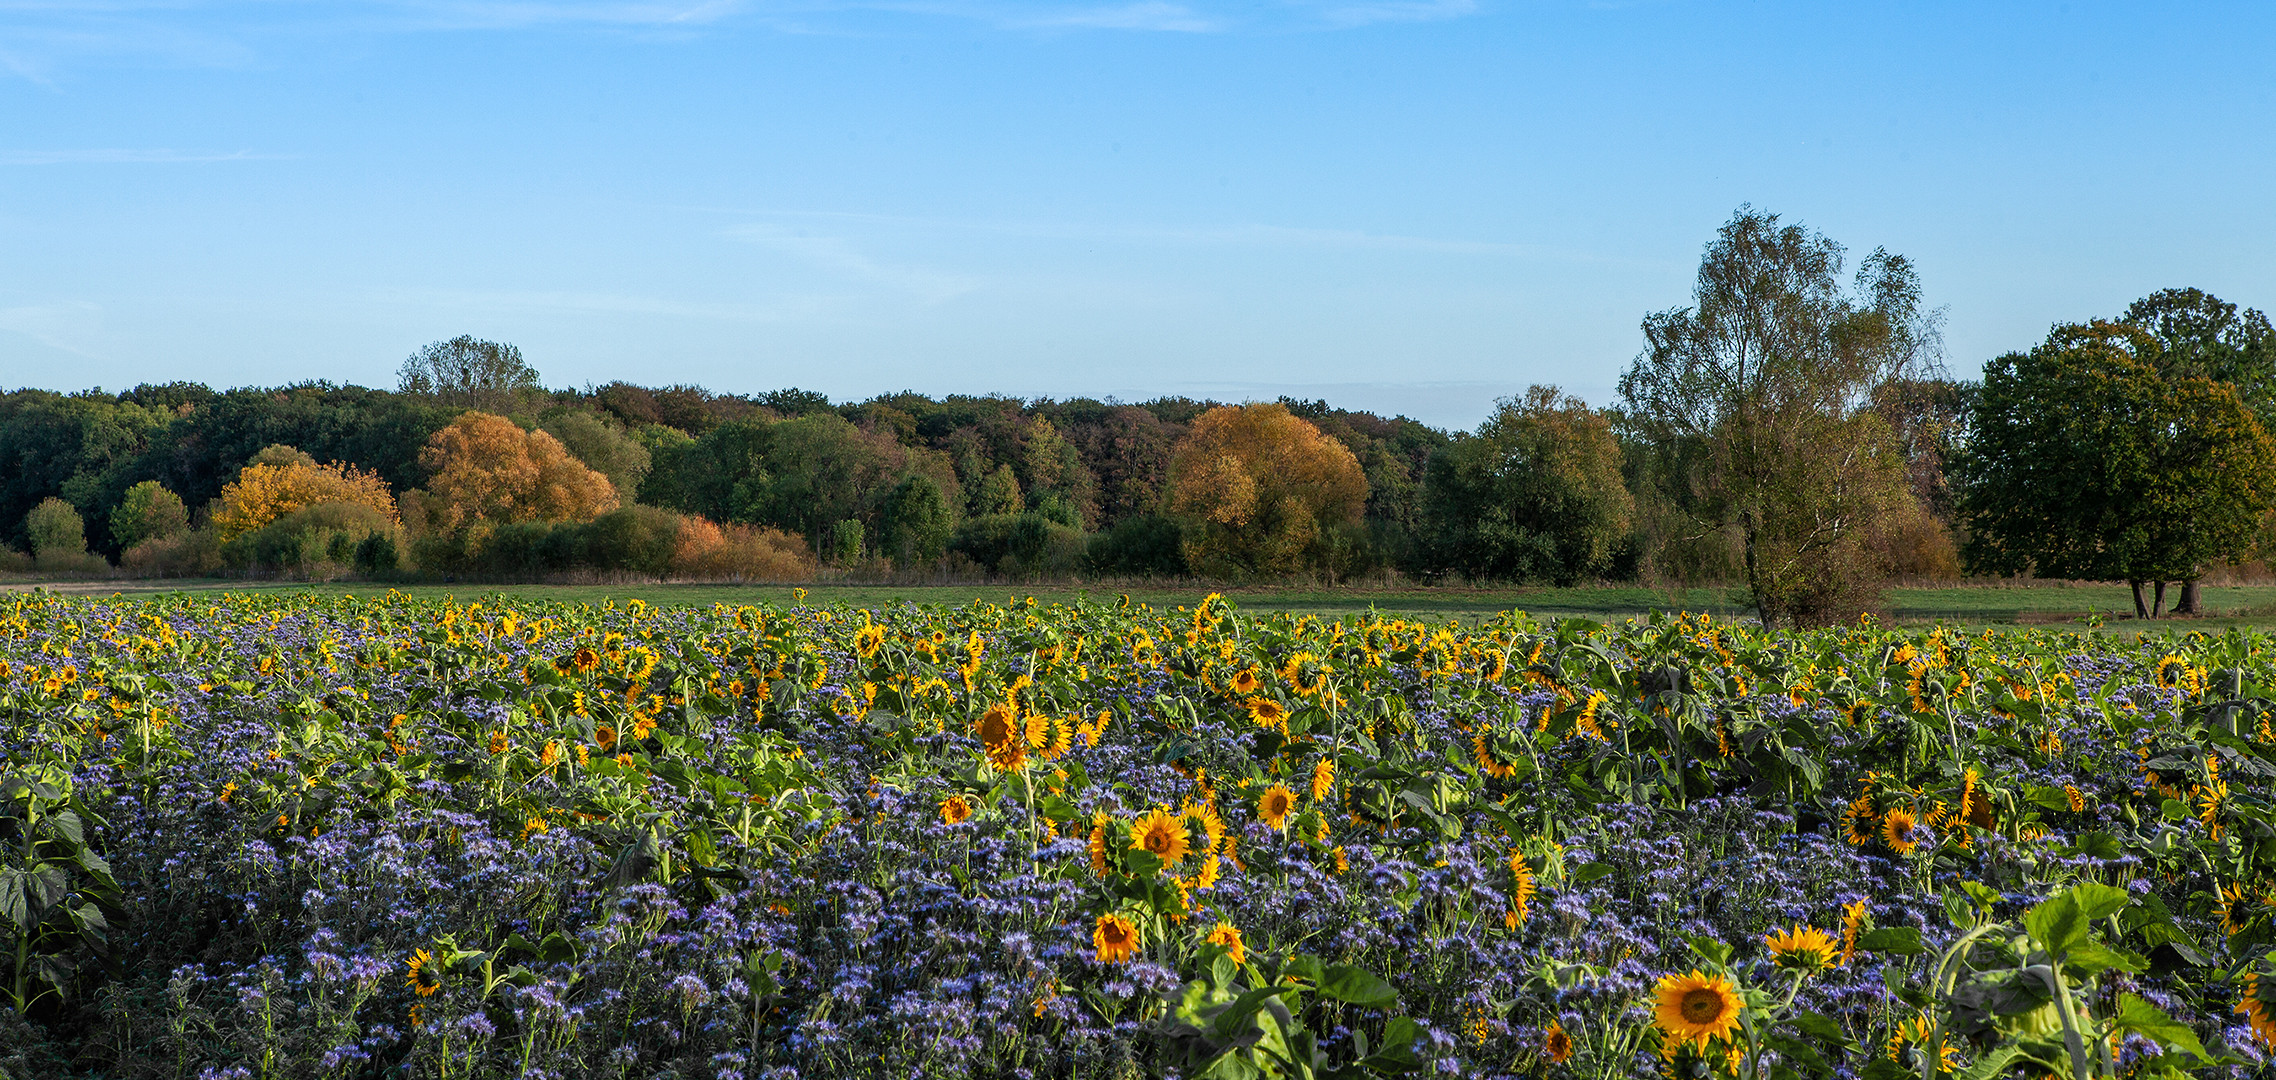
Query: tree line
x,y
1792,428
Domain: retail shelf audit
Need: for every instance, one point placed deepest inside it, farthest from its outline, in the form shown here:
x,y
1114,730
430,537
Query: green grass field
x,y
1973,604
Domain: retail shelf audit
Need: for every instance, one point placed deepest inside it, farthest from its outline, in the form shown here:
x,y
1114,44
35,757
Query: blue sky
x,y
1405,205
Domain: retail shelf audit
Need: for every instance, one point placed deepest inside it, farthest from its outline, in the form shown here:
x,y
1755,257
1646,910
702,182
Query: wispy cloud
x,y
67,327
842,257
604,303
1139,16
131,157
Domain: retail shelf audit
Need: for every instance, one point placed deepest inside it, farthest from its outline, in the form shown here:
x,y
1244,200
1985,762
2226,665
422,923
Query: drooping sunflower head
x,y
1115,937
1694,1008
1802,948
998,726
1858,816
2258,1004
421,974
1323,779
955,809
1162,836
1556,1044
1228,937
1901,831
868,640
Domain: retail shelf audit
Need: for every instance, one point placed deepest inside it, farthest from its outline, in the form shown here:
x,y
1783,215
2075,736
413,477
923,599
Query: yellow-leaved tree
x,y
1259,488
282,479
484,470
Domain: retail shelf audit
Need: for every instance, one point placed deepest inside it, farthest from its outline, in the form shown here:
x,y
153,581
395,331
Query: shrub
x,y
318,542
281,481
1021,545
739,553
1142,544
193,553
59,539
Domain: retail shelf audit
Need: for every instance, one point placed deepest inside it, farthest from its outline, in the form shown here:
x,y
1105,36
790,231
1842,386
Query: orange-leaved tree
x,y
1258,489
484,470
281,480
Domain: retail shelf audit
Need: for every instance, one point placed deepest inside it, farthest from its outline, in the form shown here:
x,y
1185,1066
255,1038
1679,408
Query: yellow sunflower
x,y
868,640
1116,937
1002,737
1323,779
1900,830
422,976
1802,948
1229,936
1858,818
1275,805
1161,834
1520,894
955,809
1556,1045
1696,1007
1245,682
2258,1013
1266,712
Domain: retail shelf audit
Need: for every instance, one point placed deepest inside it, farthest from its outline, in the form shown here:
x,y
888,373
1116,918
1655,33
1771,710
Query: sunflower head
x,y
955,809
421,974
1323,779
1556,1045
1694,1008
1266,712
1901,831
1802,948
1161,835
1116,938
868,640
1245,682
1228,937
1275,805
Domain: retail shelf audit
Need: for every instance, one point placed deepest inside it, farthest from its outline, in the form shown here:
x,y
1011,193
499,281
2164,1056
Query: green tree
x,y
917,522
469,373
58,535
603,446
2200,334
148,512
2092,458
998,493
1536,495
1754,407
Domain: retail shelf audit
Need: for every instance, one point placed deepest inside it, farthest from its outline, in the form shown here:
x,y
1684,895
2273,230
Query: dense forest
x,y
1784,431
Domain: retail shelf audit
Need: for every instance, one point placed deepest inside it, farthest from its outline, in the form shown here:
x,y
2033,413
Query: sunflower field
x,y
256,837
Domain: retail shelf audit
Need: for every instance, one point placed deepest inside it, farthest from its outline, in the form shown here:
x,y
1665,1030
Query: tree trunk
x,y
2189,604
2157,604
2141,610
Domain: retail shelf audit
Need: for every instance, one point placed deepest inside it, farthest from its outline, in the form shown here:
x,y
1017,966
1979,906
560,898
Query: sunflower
x,y
1116,937
604,737
1802,948
1245,682
1266,712
1206,816
1900,830
1162,835
1852,920
1323,779
2259,1013
1002,737
954,809
1487,763
584,660
1556,1045
1275,805
868,640
1695,1008
1229,936
1521,894
1857,819
499,744
1098,844
422,976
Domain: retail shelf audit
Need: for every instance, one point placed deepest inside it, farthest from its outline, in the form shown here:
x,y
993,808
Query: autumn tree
x,y
2095,458
281,479
1753,407
1536,495
1258,488
485,471
469,373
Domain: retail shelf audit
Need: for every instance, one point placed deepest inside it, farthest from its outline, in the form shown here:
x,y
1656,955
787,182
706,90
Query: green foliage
x,y
56,532
917,521
469,373
320,541
1020,545
602,446
57,895
2094,457
1535,496
998,493
148,512
1752,410
845,542
1141,546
